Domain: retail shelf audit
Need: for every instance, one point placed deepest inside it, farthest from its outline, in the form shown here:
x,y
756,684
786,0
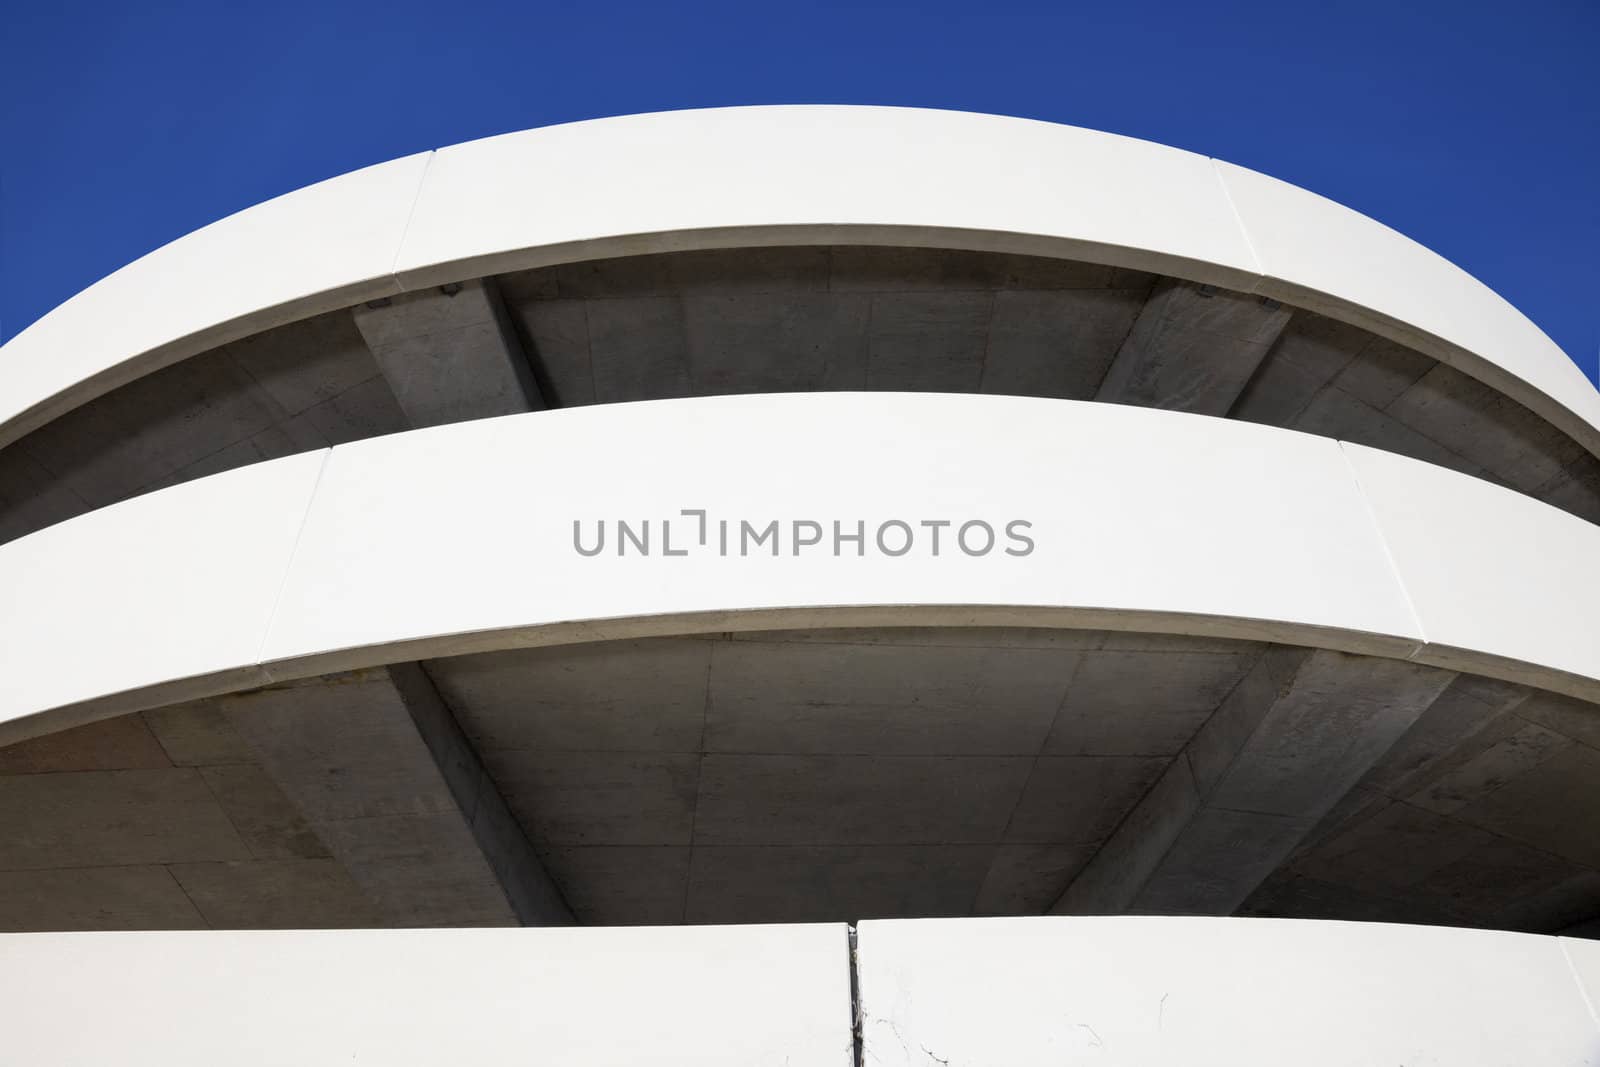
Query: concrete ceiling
x,y
811,775
779,319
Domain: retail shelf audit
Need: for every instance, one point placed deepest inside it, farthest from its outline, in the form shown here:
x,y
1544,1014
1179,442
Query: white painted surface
x,y
1487,569
322,247
459,538
469,527
1045,991
753,176
1224,992
1584,957
157,589
1318,253
947,175
739,996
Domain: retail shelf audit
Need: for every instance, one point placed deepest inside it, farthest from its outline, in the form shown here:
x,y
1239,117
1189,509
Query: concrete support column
x,y
378,767
1294,736
1193,348
450,353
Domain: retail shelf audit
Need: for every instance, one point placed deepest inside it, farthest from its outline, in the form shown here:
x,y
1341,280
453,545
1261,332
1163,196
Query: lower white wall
x,y
1018,992
735,995
1227,992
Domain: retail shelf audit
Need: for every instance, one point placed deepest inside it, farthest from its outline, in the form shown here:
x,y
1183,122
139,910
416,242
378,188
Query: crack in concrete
x,y
857,1046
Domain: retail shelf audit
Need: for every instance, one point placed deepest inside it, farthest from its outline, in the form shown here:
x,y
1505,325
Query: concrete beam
x,y
1295,735
450,353
377,765
1193,348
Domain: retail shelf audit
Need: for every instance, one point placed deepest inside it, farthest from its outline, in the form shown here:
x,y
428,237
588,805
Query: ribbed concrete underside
x,y
819,775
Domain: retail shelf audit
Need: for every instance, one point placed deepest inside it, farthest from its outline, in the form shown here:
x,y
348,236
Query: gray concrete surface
x,y
1288,742
799,775
1332,379
159,821
378,766
449,354
1193,348
1482,814
313,805
686,760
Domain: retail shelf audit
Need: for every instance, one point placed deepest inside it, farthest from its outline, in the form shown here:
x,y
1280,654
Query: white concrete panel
x,y
1224,992
469,528
175,585
320,247
1583,954
768,175
1489,571
1316,253
460,538
731,996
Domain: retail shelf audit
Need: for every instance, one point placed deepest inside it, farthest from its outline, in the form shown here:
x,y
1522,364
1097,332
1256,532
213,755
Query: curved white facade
x,y
875,515
744,177
1192,525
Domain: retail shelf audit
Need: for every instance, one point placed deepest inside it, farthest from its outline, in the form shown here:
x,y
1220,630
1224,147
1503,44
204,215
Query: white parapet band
x,y
481,535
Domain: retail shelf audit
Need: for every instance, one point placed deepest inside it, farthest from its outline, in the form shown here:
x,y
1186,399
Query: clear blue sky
x,y
1473,127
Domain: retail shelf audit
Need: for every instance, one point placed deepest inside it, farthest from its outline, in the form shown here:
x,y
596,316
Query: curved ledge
x,y
461,538
776,175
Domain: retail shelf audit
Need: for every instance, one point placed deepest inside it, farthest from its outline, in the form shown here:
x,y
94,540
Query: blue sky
x,y
1473,127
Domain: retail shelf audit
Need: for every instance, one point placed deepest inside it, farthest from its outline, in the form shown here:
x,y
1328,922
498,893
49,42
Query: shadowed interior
x,y
819,775
772,320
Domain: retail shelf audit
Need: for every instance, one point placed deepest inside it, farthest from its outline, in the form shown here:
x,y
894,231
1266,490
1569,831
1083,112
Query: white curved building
x,y
774,519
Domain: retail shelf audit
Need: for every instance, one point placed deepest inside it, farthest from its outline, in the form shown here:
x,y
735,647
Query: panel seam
x,y
288,566
411,212
1583,990
1238,220
1388,554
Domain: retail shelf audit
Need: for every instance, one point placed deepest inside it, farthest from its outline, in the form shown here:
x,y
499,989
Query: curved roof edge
x,y
414,545
776,175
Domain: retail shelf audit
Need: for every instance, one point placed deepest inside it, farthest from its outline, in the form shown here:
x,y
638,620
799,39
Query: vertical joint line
x,y
405,229
1388,555
856,1044
1572,969
288,565
1238,220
